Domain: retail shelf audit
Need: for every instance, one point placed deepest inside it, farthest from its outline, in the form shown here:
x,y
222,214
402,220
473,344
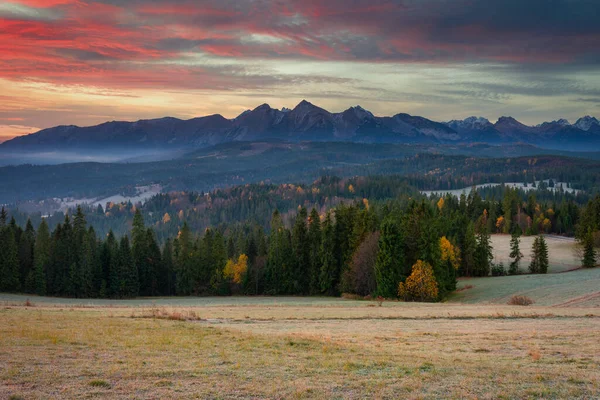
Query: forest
x,y
413,248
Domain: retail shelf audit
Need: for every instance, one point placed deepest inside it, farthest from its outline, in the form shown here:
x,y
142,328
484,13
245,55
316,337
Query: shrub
x,y
99,383
520,300
498,270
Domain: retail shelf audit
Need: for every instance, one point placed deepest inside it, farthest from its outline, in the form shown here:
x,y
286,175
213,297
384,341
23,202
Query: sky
x,y
84,62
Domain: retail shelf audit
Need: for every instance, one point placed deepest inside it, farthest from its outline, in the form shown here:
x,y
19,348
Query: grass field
x,y
239,348
575,288
562,252
474,346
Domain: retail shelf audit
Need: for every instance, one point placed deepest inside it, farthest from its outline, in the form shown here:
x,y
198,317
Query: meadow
x,y
563,252
267,347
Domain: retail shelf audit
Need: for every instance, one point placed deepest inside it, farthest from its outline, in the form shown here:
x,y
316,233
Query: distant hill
x,y
306,122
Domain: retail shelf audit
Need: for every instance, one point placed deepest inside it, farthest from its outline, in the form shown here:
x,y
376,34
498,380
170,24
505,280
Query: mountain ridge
x,y
308,122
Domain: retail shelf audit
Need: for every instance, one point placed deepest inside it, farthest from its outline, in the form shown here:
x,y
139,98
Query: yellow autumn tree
x,y
440,204
420,285
500,222
166,218
235,271
351,189
449,252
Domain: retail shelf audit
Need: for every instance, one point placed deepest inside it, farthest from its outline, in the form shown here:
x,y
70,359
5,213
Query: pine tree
x,y
41,257
167,274
589,253
130,284
279,258
328,260
87,266
468,246
314,239
139,250
3,217
183,263
483,250
543,257
26,245
515,251
154,264
389,268
9,261
219,285
301,253
115,272
539,256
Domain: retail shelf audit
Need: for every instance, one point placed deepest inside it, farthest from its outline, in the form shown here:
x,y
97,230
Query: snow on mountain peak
x,y
470,123
586,123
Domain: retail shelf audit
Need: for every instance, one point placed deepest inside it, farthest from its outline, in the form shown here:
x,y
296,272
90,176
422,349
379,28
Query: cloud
x,y
380,50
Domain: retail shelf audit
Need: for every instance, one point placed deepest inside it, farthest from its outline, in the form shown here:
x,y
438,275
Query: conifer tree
x,y
279,258
167,275
539,256
26,245
389,268
543,257
589,253
328,260
314,239
515,251
483,250
130,284
184,262
3,217
219,259
301,255
115,272
140,253
153,261
9,261
41,257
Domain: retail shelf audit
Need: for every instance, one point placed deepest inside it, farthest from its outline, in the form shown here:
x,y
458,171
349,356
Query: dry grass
x,y
289,351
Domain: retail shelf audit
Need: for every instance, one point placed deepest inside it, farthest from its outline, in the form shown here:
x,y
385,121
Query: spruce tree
x,y
301,253
483,250
41,257
219,285
539,256
154,264
184,260
9,261
167,274
130,284
589,252
314,239
26,245
115,272
543,261
139,250
328,260
389,268
515,251
3,217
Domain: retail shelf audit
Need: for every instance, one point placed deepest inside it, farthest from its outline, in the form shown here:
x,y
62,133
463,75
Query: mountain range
x,y
307,122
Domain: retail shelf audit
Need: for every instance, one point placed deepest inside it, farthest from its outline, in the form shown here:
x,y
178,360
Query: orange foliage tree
x,y
420,285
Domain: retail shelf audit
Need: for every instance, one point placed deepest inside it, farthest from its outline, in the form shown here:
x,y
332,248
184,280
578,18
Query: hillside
x,y
573,289
437,167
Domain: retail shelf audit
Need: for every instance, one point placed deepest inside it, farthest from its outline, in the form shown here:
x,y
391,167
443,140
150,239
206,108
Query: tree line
x,y
357,248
